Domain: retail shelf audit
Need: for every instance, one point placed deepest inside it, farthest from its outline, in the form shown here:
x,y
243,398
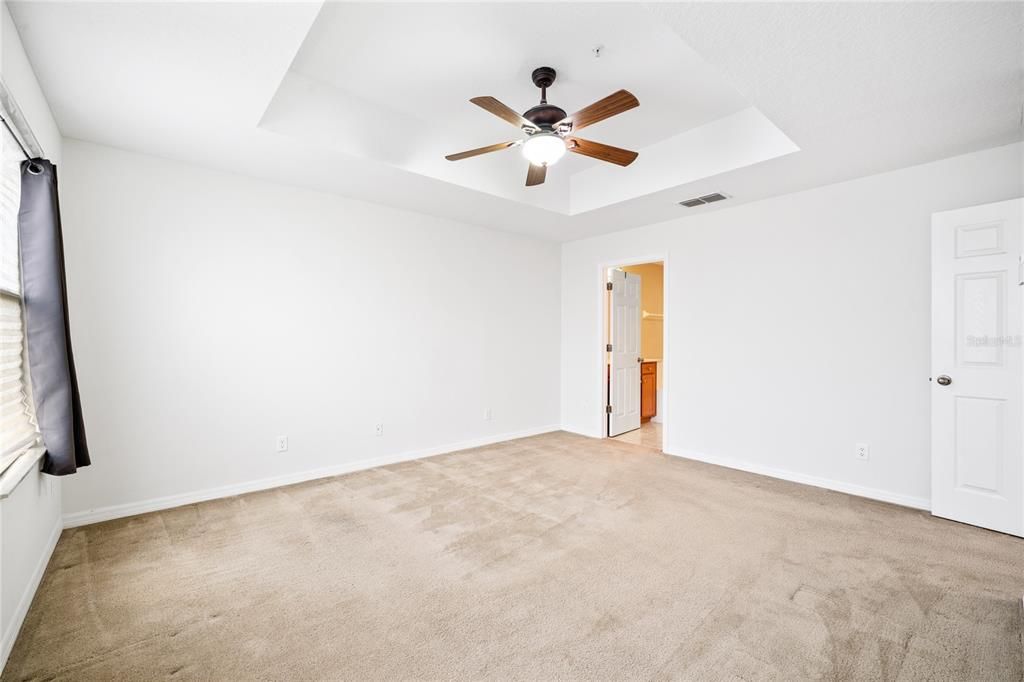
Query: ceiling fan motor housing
x,y
545,116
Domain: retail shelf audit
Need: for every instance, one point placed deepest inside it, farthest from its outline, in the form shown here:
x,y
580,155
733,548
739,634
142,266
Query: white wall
x,y
30,519
30,524
795,326
213,313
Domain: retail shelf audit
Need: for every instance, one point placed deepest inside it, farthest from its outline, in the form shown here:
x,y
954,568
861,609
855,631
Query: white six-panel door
x,y
624,380
976,382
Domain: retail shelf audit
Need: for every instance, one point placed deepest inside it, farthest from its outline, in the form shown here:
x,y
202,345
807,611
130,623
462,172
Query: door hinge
x,y
607,409
608,348
608,286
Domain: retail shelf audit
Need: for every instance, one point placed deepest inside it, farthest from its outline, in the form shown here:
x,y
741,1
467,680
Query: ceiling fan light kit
x,y
549,130
544,149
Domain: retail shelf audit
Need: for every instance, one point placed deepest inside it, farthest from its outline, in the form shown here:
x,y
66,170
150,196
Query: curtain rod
x,y
20,145
33,167
14,121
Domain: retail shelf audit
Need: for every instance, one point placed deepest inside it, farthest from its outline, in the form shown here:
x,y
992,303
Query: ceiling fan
x,y
549,131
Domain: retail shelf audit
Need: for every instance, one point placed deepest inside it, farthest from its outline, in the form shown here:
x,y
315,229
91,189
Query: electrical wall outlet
x,y
282,443
488,415
862,451
380,429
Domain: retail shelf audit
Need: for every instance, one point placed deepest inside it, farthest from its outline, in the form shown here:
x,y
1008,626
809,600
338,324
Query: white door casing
x,y
624,380
978,415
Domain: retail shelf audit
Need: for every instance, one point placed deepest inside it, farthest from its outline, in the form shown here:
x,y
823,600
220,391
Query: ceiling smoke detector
x,y
706,199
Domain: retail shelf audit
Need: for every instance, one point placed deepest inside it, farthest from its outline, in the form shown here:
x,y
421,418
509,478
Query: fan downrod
x,y
544,115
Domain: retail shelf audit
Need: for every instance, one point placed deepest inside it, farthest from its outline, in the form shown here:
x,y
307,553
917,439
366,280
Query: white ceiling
x,y
364,99
421,60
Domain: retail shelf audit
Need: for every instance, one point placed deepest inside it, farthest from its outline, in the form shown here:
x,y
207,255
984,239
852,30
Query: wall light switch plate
x,y
282,443
488,415
380,429
862,451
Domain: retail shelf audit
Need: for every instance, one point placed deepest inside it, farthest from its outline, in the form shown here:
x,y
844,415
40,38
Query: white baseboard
x,y
581,432
88,516
806,479
14,627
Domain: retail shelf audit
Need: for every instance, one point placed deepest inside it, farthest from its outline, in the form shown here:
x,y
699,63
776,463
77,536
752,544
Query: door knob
x,y
943,380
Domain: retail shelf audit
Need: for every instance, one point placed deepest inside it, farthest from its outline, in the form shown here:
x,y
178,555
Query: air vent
x,y
700,201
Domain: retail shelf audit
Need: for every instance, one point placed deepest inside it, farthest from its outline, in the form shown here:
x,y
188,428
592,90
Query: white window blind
x,y
18,430
10,198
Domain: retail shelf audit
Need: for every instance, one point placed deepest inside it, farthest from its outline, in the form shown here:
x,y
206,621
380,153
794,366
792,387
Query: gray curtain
x,y
44,291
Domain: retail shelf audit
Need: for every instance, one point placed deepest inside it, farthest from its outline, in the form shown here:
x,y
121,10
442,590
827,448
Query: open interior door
x,y
624,377
977,380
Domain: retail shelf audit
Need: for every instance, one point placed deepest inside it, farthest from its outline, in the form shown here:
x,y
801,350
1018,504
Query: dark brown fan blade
x,y
481,150
604,152
611,105
501,111
536,175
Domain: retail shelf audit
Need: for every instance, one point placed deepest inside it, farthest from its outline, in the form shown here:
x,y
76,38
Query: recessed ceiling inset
x,y
548,129
693,124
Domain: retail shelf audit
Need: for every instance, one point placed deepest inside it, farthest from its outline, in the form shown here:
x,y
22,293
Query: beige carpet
x,y
553,557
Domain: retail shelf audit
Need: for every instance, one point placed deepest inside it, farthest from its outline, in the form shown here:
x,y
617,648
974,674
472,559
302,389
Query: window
x,y
18,430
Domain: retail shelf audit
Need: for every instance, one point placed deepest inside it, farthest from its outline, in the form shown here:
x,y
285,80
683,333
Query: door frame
x,y
600,299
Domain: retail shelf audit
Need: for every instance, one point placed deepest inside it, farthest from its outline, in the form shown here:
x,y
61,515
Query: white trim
x,y
14,627
14,474
16,118
156,504
806,479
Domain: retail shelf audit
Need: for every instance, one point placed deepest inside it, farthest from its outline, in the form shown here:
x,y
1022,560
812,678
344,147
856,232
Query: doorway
x,y
634,358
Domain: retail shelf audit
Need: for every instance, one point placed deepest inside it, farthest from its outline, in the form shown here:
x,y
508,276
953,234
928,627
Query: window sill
x,y
15,474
